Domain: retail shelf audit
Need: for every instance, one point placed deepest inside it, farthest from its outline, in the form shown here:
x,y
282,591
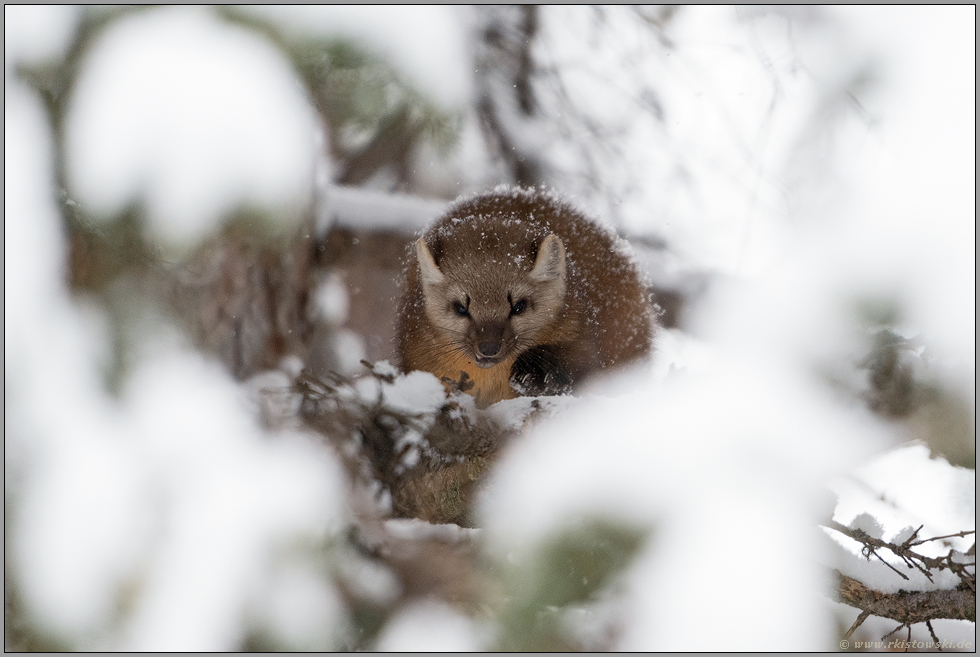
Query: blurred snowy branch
x,y
506,102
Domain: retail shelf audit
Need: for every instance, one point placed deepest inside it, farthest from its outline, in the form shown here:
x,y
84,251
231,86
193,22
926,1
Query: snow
x,y
889,498
512,414
712,464
177,488
79,526
168,499
687,119
36,34
725,455
807,161
351,207
917,231
371,581
847,558
868,524
940,495
331,300
193,117
758,126
676,352
418,530
299,606
430,626
416,392
428,43
349,347
33,239
384,368
229,494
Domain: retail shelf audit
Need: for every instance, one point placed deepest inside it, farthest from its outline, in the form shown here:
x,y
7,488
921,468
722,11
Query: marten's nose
x,y
489,348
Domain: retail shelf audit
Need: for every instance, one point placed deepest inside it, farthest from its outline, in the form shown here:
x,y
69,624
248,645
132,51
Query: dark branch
x,y
939,538
925,565
907,607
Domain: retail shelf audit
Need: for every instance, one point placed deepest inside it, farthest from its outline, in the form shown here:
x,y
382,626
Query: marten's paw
x,y
541,371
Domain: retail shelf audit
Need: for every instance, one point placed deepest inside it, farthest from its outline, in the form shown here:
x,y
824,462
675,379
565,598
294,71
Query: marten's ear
x,y
550,264
427,266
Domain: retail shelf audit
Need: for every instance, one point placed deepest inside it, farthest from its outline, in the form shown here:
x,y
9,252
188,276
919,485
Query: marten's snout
x,y
489,344
489,348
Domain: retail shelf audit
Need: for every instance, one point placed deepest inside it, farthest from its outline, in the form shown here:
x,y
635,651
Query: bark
x,y
908,607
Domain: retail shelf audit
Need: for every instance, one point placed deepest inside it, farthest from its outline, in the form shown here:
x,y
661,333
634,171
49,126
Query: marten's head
x,y
491,301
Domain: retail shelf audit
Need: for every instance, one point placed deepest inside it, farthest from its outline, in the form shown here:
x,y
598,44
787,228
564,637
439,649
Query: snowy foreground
x,y
720,469
155,502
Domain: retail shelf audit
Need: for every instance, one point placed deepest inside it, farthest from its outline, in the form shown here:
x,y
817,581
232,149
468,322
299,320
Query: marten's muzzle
x,y
489,345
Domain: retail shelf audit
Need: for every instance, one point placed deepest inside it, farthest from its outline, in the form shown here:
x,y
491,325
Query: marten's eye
x,y
518,307
460,309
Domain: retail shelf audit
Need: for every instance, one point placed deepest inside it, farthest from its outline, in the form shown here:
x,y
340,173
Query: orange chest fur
x,y
490,385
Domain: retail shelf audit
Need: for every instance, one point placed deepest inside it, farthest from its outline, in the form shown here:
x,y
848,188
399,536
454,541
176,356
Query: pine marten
x,y
523,294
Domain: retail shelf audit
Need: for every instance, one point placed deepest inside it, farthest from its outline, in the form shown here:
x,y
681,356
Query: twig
x,y
912,559
870,544
863,616
901,625
871,551
937,538
935,638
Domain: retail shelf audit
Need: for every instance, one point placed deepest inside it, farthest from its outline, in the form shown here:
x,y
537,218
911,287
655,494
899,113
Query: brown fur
x,y
586,305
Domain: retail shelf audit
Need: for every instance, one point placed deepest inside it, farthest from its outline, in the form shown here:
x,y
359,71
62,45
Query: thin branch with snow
x,y
910,607
923,564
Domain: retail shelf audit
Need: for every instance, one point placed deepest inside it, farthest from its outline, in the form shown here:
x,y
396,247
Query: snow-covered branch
x,y
906,607
955,561
910,607
418,450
